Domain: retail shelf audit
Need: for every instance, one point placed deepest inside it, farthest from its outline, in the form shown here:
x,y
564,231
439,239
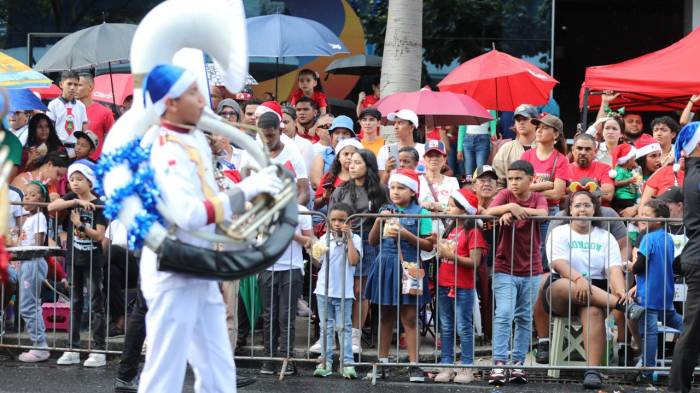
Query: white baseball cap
x,y
404,114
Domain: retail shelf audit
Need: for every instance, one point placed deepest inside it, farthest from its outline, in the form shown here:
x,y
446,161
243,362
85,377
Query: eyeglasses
x,y
324,126
227,114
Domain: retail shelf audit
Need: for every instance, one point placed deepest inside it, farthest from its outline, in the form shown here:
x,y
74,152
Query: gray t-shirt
x,y
617,228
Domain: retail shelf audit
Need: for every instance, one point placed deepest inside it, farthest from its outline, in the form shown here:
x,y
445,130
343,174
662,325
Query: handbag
x,y
411,276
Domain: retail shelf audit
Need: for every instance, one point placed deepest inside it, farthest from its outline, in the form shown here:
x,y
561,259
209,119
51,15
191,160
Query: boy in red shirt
x,y
516,272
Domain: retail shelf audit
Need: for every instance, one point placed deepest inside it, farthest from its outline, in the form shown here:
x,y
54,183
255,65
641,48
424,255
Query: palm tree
x,y
403,47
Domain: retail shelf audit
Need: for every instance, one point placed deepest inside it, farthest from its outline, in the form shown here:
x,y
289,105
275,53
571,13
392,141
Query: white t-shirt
x,y
338,256
15,210
36,223
599,247
307,151
22,133
290,155
383,156
117,233
58,112
443,190
292,257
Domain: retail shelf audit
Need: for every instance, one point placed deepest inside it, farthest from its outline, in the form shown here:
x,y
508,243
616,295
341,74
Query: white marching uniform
x,y
186,319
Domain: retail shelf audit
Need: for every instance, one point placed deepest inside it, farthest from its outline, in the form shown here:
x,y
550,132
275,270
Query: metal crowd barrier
x,y
262,345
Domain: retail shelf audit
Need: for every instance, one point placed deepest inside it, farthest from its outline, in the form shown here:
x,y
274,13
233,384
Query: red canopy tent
x,y
659,81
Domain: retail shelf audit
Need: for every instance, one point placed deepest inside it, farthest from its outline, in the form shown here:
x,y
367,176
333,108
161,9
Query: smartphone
x,y
393,150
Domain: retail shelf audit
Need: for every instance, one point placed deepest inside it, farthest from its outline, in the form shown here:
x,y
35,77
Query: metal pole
x,y
111,83
584,110
277,63
551,42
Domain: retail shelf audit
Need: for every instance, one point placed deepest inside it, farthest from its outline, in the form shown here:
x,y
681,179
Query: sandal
x,y
592,380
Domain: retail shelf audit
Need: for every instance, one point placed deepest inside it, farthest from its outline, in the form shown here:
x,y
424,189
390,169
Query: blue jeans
x,y
465,328
544,225
515,297
650,332
341,322
31,277
476,152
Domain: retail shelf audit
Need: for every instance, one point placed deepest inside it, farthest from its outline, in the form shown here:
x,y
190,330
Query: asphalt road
x,y
17,377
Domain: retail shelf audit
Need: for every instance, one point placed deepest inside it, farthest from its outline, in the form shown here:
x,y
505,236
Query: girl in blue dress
x,y
384,280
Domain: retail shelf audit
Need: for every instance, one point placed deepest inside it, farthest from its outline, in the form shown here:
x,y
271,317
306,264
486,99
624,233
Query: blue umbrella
x,y
287,36
24,100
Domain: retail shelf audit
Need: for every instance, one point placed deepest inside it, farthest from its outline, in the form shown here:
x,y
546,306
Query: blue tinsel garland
x,y
142,185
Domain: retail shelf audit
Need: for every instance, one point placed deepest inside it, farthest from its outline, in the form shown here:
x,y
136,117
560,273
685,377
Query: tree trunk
x,y
403,47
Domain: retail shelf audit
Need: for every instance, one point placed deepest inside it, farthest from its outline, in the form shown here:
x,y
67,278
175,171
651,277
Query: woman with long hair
x,y
611,134
41,139
339,172
49,169
365,194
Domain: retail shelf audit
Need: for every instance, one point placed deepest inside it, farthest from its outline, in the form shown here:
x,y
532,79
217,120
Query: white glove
x,y
265,181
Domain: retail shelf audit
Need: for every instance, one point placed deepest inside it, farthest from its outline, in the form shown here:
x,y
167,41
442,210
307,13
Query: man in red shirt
x,y
100,118
584,166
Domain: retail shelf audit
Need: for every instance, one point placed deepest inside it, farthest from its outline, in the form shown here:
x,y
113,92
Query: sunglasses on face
x,y
227,114
324,126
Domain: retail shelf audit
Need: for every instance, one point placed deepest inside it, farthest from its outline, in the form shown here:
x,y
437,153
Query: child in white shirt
x,y
336,295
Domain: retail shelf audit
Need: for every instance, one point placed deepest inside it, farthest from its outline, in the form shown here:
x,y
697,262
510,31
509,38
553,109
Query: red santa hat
x,y
646,144
406,177
467,199
269,106
620,155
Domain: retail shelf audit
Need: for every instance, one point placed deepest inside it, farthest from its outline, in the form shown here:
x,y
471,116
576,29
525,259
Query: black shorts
x,y
597,282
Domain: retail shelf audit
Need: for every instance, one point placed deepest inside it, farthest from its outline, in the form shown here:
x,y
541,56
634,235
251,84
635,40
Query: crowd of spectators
x,y
529,268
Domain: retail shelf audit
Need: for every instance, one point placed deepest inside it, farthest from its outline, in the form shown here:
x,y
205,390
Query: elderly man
x,y
584,166
513,150
100,118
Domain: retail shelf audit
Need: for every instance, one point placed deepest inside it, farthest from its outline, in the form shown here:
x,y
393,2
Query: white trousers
x,y
187,325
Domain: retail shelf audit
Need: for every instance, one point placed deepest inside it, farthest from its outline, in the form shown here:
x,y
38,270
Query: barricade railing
x,y
273,295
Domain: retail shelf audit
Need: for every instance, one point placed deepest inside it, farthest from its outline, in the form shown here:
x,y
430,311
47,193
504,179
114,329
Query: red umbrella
x,y
500,81
445,108
47,93
123,87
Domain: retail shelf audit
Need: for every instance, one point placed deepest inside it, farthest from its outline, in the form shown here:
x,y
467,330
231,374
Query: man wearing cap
x,y
405,125
369,129
584,166
228,109
186,319
100,118
485,188
524,140
687,349
281,152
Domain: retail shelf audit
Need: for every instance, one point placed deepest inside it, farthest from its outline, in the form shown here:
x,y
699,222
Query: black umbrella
x,y
106,43
355,65
103,44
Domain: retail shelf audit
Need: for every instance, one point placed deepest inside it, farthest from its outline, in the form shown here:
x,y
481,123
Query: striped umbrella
x,y
15,74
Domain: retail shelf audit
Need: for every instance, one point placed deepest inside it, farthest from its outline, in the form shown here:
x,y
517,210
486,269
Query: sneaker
x,y
634,311
497,376
542,352
303,309
291,369
34,356
464,376
349,373
445,375
126,386
356,341
518,375
318,346
115,331
322,371
96,360
416,374
592,380
268,368
68,358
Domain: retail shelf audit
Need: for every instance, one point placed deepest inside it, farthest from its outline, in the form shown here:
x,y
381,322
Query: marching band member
x,y
186,315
